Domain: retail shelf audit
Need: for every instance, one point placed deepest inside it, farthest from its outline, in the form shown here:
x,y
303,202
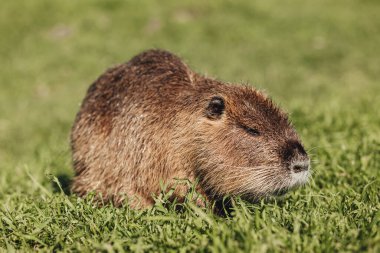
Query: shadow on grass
x,y
64,181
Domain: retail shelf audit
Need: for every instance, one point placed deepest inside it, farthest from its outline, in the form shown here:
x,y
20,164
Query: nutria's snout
x,y
297,162
299,166
295,156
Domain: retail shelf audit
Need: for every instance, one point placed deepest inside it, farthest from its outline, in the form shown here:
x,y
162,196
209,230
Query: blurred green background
x,y
320,60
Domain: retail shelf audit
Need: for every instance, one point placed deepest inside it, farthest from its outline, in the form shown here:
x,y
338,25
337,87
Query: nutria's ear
x,y
215,108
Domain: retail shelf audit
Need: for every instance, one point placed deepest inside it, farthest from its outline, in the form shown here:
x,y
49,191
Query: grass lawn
x,y
320,60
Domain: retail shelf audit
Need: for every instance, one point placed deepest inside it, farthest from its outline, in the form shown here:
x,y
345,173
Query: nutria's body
x,y
154,120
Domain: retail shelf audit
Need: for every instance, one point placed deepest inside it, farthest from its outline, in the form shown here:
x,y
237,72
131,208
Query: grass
x,y
318,59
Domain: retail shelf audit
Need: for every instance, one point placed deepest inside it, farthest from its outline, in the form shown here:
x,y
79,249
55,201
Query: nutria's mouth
x,y
299,178
296,180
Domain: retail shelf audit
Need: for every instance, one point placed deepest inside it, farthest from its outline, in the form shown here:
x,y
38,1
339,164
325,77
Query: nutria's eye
x,y
215,108
251,131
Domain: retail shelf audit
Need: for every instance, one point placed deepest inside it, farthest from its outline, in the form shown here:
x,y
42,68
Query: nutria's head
x,y
247,146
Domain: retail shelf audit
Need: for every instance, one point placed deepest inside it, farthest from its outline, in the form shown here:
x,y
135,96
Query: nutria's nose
x,y
299,165
295,156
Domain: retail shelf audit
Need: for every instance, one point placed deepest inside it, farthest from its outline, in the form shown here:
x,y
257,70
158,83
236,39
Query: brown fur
x,y
148,121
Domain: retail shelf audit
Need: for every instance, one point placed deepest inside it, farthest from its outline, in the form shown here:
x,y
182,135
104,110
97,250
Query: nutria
x,y
153,120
